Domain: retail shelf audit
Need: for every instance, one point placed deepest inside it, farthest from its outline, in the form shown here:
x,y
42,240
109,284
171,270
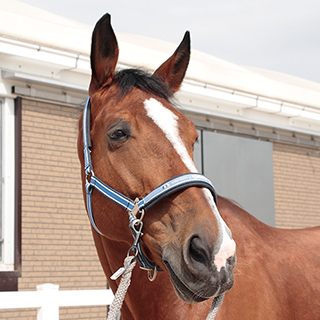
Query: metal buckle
x,y
136,233
133,213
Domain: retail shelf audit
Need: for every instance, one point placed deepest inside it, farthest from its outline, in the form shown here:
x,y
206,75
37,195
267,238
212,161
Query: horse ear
x,y
104,53
174,69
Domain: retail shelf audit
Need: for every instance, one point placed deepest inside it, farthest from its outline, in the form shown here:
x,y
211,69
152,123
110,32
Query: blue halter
x,y
133,207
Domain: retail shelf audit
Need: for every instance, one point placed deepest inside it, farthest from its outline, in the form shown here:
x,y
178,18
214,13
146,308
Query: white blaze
x,y
228,246
167,121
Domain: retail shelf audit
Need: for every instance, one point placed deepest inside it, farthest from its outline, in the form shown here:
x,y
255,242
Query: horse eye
x,y
118,135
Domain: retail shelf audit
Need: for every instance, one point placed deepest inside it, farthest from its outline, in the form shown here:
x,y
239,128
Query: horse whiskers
x,y
239,272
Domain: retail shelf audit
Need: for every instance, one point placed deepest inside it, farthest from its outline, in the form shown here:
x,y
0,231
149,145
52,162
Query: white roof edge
x,y
24,22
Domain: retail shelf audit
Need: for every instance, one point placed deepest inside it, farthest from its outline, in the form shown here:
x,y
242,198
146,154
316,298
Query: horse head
x,y
139,140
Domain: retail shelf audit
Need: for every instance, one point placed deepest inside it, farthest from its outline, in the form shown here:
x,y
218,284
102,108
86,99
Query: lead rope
x,y
128,265
216,304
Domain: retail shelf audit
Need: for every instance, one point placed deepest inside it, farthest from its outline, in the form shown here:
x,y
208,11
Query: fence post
x,y
49,309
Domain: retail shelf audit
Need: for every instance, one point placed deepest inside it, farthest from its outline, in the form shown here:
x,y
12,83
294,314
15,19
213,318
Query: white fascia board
x,y
60,58
21,77
221,102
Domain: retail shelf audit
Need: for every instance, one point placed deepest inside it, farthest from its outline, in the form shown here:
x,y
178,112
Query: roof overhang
x,y
38,48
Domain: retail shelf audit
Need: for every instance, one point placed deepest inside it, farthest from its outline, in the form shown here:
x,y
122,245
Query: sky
x,y
278,35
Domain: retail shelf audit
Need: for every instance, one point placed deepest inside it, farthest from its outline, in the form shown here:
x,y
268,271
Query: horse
x,y
140,146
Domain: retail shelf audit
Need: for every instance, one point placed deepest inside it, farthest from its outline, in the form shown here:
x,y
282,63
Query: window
x,y
241,169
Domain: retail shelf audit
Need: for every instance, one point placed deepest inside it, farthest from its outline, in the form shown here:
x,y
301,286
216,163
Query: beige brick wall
x,y
57,245
296,186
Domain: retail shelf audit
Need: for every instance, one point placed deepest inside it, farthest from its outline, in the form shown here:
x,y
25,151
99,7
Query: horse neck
x,y
238,219
250,234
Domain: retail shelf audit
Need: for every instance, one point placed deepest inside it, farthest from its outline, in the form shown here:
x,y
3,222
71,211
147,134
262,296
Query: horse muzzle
x,y
193,272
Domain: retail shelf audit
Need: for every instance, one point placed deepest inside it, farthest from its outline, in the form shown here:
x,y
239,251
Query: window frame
x,y
8,187
10,263
1,179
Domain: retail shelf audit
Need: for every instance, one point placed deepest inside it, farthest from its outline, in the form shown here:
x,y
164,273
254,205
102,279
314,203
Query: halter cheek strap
x,y
169,187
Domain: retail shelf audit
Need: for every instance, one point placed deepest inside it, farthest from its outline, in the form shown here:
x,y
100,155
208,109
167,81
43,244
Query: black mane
x,y
129,78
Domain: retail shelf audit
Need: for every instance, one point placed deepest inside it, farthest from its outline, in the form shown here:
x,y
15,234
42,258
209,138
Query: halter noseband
x,y
167,188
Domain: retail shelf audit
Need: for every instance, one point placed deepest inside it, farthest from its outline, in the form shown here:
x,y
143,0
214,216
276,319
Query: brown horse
x,y
139,140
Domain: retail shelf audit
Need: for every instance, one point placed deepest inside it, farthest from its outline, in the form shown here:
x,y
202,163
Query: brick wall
x,y
296,186
57,245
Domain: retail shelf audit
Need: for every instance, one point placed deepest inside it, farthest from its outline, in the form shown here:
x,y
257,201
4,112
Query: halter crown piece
x,y
133,207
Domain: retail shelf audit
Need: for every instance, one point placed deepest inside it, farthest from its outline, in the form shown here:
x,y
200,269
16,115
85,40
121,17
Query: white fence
x,y
48,299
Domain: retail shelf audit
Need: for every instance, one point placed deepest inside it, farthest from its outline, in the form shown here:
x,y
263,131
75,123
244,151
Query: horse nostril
x,y
198,251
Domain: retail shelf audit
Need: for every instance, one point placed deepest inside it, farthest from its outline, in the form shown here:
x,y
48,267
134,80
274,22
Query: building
x,y
259,144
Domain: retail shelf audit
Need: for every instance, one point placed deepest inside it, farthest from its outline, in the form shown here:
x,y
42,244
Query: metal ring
x,y
133,249
142,215
153,276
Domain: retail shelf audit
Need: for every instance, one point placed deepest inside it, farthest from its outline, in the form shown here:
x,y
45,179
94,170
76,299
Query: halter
x,y
169,187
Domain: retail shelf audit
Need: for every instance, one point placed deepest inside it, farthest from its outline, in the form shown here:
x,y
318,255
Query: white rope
x,y
217,302
129,264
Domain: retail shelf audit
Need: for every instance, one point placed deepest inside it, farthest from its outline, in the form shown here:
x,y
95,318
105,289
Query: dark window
x,y
241,169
